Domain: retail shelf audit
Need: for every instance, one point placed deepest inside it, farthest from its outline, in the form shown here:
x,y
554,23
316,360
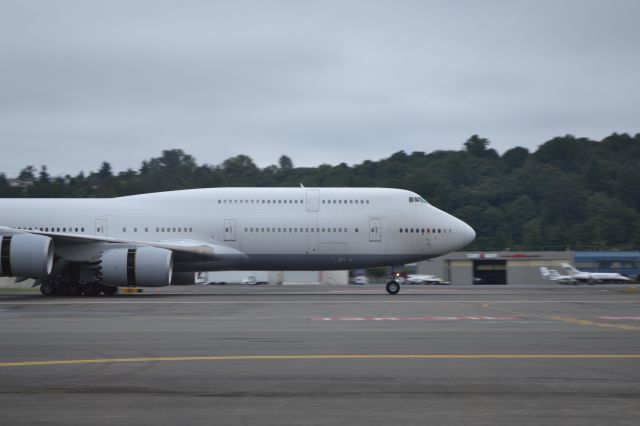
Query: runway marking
x,y
568,320
428,318
621,318
325,357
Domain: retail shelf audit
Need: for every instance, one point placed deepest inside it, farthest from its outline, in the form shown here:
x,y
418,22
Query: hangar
x,y
496,267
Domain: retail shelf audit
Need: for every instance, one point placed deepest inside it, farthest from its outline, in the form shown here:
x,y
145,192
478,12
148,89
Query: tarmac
x,y
323,355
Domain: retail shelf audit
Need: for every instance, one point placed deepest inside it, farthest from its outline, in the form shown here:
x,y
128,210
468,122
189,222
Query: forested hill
x,y
571,193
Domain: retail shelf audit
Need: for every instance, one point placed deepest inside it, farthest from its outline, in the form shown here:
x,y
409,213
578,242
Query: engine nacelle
x,y
143,266
26,255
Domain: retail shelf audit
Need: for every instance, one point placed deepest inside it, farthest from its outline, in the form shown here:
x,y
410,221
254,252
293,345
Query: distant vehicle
x,y
249,280
360,280
425,280
553,275
594,277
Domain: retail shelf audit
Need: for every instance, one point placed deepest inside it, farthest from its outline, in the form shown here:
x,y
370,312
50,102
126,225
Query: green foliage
x,y
571,192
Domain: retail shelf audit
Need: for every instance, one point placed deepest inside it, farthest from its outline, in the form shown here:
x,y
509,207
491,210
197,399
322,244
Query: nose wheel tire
x,y
393,287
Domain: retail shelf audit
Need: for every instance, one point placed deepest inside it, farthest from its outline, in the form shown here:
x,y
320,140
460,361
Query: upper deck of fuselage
x,y
231,198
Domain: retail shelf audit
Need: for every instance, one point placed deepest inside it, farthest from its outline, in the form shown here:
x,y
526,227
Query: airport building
x,y
496,267
623,262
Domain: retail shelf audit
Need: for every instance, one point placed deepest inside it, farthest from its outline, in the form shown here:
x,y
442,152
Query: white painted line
x,y
428,318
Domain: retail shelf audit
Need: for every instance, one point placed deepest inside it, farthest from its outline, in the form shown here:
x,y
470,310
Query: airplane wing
x,y
184,249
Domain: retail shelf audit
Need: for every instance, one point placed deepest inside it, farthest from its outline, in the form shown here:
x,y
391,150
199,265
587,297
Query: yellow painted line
x,y
568,320
325,357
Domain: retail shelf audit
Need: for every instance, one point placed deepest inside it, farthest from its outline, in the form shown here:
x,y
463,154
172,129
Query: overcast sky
x,y
83,82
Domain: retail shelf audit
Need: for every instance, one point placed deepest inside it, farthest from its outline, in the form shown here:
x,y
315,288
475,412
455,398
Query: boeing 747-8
x,y
93,246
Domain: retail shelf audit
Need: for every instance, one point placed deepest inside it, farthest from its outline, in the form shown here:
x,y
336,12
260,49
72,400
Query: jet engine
x,y
143,266
26,255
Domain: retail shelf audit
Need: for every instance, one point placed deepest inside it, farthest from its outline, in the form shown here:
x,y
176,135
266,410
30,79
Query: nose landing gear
x,y
393,286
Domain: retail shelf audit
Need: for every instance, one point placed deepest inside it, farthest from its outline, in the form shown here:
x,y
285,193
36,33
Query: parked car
x,y
425,280
361,280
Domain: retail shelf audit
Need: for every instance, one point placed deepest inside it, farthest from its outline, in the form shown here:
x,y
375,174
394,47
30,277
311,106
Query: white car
x,y
249,280
361,280
425,280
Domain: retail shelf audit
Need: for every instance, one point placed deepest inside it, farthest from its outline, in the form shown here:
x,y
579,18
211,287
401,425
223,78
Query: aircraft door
x,y
229,230
313,200
375,230
101,227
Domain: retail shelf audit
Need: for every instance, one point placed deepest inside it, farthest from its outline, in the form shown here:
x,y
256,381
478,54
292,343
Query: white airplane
x,y
594,277
93,246
553,275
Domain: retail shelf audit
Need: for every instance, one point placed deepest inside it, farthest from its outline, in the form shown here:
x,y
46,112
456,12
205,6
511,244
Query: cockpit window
x,y
417,200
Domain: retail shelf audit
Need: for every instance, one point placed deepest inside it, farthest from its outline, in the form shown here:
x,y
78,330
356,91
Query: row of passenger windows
x,y
291,201
295,230
81,229
260,202
51,228
159,229
345,201
426,231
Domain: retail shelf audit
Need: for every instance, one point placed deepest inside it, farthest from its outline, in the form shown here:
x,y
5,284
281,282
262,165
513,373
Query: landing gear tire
x,y
47,288
393,287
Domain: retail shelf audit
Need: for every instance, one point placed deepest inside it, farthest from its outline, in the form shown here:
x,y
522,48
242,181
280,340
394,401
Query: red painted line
x,y
428,318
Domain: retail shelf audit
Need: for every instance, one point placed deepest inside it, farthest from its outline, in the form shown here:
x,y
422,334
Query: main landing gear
x,y
62,288
393,286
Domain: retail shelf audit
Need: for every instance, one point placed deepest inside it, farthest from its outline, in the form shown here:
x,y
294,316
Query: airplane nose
x,y
469,234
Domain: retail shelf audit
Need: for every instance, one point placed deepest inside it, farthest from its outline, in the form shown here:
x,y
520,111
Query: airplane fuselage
x,y
249,228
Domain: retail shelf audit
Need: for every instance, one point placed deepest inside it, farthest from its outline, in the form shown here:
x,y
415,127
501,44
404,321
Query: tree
x,y
27,174
105,171
285,163
570,192
43,177
477,147
515,157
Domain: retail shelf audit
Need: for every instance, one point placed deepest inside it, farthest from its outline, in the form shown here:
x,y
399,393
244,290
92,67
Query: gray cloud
x,y
323,82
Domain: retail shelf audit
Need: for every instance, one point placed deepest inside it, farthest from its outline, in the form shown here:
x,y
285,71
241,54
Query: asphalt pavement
x,y
323,355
